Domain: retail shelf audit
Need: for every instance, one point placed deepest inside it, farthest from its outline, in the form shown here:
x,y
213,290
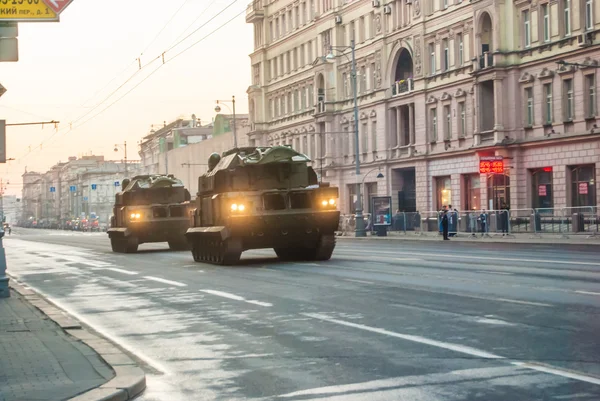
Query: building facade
x,y
441,84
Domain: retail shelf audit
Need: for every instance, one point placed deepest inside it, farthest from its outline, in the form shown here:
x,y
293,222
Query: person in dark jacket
x,y
445,224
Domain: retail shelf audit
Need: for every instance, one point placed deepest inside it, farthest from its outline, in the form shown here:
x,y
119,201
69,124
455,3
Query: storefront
x,y
583,185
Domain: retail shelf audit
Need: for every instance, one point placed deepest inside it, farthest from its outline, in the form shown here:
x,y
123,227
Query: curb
x,y
468,239
129,380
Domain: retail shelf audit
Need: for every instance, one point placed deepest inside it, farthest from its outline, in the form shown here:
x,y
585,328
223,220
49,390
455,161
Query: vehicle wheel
x,y
324,248
179,245
131,245
118,245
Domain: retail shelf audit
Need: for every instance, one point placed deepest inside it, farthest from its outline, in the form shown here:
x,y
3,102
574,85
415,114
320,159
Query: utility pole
x,y
124,146
4,290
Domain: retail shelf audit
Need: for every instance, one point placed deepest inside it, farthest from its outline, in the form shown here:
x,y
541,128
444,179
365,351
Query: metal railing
x,y
476,223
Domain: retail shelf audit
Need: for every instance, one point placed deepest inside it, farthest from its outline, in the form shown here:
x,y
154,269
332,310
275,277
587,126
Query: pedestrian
x,y
483,220
505,219
440,216
445,225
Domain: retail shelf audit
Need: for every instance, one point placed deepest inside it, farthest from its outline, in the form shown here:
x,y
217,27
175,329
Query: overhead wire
x,y
40,146
164,27
153,72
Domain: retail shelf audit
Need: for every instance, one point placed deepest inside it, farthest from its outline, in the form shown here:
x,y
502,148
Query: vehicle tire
x,y
118,245
291,254
232,251
324,248
131,245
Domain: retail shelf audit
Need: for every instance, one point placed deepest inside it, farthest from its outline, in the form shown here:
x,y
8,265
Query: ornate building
x,y
440,84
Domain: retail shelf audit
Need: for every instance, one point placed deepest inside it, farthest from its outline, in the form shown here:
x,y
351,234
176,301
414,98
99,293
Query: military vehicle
x,y
151,208
262,197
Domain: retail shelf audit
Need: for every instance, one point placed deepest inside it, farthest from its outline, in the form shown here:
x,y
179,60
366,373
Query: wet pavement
x,y
380,321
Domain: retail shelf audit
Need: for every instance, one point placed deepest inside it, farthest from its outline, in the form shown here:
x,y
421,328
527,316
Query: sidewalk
x,y
45,354
491,238
39,361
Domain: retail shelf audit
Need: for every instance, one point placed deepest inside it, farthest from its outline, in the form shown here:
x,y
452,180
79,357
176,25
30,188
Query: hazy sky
x,y
63,66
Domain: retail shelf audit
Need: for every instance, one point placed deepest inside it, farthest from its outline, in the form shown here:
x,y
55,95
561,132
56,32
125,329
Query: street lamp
x,y
124,146
380,175
218,110
360,222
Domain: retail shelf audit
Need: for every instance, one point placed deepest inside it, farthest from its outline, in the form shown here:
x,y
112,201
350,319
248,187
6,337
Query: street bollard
x,y
4,290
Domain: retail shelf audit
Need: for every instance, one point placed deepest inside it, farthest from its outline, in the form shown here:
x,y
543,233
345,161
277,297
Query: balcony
x,y
403,86
486,60
255,11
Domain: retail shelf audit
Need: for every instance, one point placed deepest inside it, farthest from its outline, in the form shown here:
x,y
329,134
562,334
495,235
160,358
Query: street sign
x,y
117,183
94,186
382,210
72,188
52,189
58,5
29,10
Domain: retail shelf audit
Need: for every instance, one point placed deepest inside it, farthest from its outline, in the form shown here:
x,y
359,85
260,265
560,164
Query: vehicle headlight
x,y
324,203
332,201
238,207
135,216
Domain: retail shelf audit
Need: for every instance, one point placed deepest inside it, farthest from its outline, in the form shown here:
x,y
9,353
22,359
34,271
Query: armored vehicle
x,y
151,208
262,197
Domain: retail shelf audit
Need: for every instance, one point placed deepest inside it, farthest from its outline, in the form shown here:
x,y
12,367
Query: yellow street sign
x,y
26,11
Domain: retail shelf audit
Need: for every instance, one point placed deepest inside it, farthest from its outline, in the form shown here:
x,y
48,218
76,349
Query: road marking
x,y
114,269
459,348
558,372
359,281
162,280
494,272
236,297
453,347
437,256
587,292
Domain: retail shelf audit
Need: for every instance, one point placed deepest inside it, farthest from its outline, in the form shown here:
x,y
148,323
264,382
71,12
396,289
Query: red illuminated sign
x,y
489,165
547,169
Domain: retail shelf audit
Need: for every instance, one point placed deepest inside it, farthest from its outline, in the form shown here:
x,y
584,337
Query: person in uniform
x,y
445,225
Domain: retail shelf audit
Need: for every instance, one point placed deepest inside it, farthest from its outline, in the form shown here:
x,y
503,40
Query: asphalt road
x,y
382,320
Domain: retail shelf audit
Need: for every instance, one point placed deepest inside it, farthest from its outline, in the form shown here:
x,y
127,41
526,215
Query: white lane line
x,y
514,301
459,348
453,347
436,256
358,281
236,297
558,372
115,269
494,272
162,280
587,292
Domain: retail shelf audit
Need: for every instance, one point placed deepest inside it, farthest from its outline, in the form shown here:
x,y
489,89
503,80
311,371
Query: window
x,y
447,123
303,14
283,25
310,52
277,33
363,80
352,31
364,135
459,52
346,93
545,23
361,30
473,198
297,22
590,87
548,106
528,107
289,103
302,56
541,179
271,108
271,32
567,17
444,191
311,96
462,126
276,113
303,94
526,28
433,123
568,99
583,186
373,77
446,55
589,15
444,4
374,135
372,25
296,101
432,58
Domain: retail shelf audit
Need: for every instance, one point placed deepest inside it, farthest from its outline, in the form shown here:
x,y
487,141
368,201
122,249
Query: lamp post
x,y
4,290
380,175
360,222
124,146
218,110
